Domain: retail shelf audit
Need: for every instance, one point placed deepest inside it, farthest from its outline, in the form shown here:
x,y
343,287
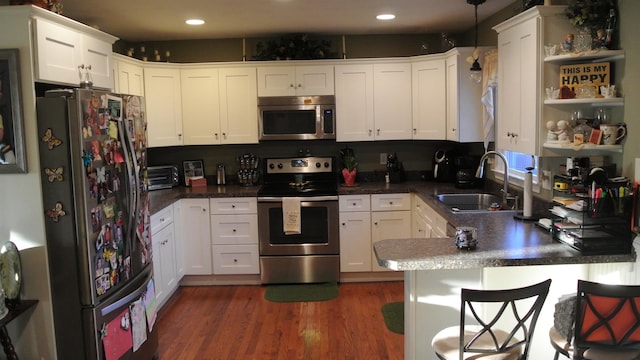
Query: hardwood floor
x,y
236,322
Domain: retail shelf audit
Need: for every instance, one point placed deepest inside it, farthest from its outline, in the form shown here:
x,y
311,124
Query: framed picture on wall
x,y
12,154
192,169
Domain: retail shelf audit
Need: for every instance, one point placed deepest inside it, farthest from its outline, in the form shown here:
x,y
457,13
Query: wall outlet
x,y
383,158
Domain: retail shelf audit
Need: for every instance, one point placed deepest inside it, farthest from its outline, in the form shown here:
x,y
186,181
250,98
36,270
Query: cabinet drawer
x,y
161,219
223,206
235,259
234,229
387,202
354,202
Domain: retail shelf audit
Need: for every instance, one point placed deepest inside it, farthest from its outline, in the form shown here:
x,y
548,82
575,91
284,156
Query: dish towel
x,y
291,215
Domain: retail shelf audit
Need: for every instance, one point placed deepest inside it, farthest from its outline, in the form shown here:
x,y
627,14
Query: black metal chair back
x,y
607,317
522,304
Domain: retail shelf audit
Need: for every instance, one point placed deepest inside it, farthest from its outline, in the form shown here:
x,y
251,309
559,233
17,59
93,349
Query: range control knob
x,y
326,164
271,166
318,165
280,166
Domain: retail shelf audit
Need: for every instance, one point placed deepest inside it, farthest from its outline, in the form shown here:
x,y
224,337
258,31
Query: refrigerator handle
x,y
135,294
130,162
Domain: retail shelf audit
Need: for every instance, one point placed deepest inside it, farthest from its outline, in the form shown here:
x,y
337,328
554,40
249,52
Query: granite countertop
x,y
502,240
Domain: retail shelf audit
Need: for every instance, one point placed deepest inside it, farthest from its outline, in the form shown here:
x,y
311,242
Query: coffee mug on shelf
x,y
612,133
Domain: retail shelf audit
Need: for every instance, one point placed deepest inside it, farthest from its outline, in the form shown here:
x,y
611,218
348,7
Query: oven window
x,y
314,228
277,122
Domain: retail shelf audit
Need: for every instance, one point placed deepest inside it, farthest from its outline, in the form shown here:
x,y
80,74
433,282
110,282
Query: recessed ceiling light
x,y
385,17
194,22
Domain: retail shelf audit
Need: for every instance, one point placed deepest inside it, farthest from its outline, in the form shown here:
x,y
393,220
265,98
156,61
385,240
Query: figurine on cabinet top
x,y
564,131
567,44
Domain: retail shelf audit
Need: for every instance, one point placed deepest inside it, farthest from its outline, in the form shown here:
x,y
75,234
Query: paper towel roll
x,y
528,196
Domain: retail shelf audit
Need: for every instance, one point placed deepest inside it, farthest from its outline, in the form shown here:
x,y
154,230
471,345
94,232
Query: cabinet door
x,y
314,80
392,101
164,263
429,100
238,105
164,106
200,106
518,71
355,241
452,98
388,225
276,81
420,228
58,53
96,54
178,239
129,79
354,102
196,233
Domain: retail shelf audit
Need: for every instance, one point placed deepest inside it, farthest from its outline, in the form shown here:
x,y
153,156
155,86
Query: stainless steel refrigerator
x,y
93,163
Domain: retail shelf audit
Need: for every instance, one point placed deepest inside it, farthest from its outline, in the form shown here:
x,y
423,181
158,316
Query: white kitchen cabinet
x,y
196,235
234,229
390,219
355,233
163,105
200,106
178,239
354,102
300,80
63,48
376,101
464,106
392,101
238,105
128,76
428,82
428,220
164,255
521,75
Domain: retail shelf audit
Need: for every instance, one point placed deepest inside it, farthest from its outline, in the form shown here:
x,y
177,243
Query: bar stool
x,y
520,307
607,324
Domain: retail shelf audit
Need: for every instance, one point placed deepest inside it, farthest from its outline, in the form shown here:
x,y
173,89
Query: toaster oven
x,y
162,177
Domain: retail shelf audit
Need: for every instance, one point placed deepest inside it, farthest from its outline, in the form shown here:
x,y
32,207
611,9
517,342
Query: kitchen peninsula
x,y
509,254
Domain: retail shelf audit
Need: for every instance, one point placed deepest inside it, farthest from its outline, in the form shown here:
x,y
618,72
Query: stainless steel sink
x,y
472,202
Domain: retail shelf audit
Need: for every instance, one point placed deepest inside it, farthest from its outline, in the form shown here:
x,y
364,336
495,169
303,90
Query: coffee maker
x,y
466,166
443,165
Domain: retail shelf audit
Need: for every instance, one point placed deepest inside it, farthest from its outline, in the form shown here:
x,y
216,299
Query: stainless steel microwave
x,y
297,117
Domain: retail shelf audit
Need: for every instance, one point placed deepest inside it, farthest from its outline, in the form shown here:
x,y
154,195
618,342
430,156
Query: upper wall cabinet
x,y
464,99
521,75
128,76
164,106
429,99
373,102
287,80
219,106
62,52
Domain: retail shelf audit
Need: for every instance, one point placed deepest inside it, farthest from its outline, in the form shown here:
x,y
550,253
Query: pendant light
x,y
475,70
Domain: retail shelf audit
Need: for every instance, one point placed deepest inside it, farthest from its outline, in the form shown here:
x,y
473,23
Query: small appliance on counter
x,y
395,169
443,167
162,177
221,174
466,166
248,173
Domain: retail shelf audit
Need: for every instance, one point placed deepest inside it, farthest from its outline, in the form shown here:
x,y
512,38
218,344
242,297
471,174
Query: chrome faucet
x,y
505,190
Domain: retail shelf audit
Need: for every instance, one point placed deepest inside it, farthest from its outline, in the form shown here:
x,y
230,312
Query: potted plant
x,y
349,166
597,17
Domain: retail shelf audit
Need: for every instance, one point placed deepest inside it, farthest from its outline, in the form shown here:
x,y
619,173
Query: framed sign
x,y
192,169
12,155
577,75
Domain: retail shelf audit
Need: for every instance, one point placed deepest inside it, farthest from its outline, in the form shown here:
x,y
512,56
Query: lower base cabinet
x,y
234,236
165,272
196,236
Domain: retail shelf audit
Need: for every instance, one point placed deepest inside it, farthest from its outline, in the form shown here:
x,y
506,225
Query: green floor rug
x,y
393,314
301,292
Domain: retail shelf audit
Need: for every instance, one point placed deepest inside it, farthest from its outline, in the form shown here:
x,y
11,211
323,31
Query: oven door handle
x,y
302,198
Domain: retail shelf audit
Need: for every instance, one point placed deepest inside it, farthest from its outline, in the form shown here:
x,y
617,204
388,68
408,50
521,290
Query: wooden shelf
x,y
591,55
583,147
616,101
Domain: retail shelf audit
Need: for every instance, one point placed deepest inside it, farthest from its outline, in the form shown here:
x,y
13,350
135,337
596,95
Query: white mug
x,y
611,133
